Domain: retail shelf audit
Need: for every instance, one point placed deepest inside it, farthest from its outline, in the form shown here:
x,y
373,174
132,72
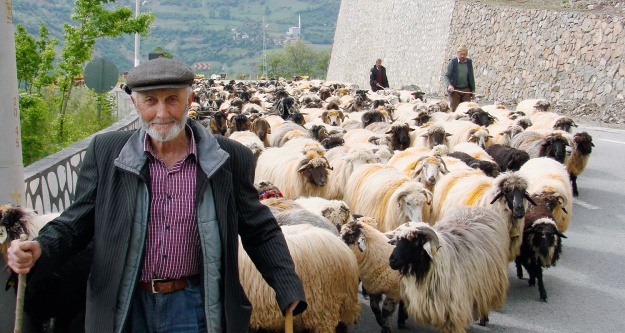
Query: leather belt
x,y
163,286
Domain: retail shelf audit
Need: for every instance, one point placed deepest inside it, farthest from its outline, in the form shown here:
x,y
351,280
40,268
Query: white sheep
x,y
506,194
344,160
372,251
295,170
329,273
549,177
287,131
250,140
531,106
423,164
455,272
386,194
336,211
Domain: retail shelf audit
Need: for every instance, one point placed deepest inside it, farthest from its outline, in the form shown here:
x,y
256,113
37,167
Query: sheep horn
x,y
560,234
430,235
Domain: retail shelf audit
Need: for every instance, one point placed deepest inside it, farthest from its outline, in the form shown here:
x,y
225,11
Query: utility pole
x,y
137,52
264,50
11,167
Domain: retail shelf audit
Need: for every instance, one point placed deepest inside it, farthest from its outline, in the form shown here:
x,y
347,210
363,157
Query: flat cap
x,y
159,73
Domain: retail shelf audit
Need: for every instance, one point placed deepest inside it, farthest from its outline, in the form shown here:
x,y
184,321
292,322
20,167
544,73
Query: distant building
x,y
295,31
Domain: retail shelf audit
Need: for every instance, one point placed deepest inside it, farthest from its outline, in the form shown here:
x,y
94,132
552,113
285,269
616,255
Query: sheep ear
x,y
362,244
527,196
429,249
560,234
497,196
393,240
3,234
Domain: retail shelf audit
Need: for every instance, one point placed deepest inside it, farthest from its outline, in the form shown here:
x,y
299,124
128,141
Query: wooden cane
x,y
21,290
288,321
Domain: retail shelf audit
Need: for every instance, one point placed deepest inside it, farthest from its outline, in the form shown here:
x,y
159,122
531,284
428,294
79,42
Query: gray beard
x,y
164,137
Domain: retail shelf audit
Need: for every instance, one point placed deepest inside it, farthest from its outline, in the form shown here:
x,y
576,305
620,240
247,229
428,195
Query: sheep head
x,y
415,248
513,188
564,124
411,196
545,239
554,146
583,143
436,135
315,170
399,135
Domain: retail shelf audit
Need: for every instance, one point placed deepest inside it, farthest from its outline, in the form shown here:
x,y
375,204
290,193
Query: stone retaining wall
x,y
518,53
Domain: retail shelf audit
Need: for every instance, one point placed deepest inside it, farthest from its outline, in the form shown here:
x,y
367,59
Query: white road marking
x,y
584,204
613,141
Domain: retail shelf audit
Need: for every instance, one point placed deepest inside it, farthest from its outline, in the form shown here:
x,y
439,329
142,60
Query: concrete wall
x,y
518,53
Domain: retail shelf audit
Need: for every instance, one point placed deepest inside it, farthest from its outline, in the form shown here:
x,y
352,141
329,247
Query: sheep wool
x,y
329,273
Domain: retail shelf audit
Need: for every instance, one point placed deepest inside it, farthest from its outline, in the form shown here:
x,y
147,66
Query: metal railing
x,y
50,182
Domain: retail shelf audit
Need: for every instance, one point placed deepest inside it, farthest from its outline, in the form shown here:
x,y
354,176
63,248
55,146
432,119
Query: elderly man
x,y
165,205
459,78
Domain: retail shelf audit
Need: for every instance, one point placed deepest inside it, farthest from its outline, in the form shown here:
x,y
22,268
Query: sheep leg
x,y
388,308
402,315
484,320
574,184
519,267
374,302
541,284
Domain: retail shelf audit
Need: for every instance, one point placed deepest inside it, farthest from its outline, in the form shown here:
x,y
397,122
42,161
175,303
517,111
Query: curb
x,y
603,129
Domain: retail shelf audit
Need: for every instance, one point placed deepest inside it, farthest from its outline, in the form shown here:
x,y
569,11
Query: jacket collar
x,y
210,155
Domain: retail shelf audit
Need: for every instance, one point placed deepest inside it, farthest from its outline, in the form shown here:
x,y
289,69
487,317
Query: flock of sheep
x,y
419,206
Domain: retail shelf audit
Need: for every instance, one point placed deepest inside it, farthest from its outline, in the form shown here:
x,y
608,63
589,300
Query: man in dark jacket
x,y
459,78
165,206
377,76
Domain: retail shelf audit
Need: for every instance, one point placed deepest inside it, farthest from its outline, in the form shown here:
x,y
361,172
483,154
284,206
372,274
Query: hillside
x,y
227,34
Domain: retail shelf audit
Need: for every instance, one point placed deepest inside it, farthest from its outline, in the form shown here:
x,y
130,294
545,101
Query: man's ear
x,y
191,97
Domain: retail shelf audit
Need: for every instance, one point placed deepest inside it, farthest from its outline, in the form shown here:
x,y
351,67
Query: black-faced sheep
x,y
386,194
507,158
541,247
59,298
582,147
329,273
455,272
539,145
372,251
549,177
399,134
506,194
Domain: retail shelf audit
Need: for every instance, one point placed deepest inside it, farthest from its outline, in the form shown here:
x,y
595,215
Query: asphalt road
x,y
586,291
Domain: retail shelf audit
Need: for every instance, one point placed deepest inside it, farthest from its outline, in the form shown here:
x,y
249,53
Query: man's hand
x,y
23,255
450,88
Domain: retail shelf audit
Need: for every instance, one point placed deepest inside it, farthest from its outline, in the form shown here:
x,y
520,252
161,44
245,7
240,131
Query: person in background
x,y
377,76
165,206
459,78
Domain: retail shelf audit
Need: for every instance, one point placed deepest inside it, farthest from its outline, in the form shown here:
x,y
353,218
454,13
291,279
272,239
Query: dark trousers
x,y
456,98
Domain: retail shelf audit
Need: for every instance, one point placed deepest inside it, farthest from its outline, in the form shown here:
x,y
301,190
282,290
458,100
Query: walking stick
x,y
21,290
288,321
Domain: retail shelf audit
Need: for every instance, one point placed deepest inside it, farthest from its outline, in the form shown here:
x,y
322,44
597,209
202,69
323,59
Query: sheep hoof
x,y
543,298
483,321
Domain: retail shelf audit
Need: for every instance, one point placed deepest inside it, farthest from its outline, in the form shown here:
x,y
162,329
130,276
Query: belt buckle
x,y
152,284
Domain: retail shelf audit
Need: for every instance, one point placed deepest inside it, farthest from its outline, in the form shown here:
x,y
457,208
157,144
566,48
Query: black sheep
x,y
541,247
507,158
489,168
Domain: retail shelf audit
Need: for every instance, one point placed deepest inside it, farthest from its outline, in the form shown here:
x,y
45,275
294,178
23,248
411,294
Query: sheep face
x,y
554,146
422,118
429,170
583,143
564,124
514,190
351,234
436,135
400,137
219,123
370,117
410,255
545,239
411,199
315,170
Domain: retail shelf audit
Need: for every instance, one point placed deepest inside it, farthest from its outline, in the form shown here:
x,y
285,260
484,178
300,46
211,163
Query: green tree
x,y
34,58
94,21
297,58
160,50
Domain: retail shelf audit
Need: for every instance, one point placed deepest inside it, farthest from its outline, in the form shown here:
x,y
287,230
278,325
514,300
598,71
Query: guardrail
x,y
50,182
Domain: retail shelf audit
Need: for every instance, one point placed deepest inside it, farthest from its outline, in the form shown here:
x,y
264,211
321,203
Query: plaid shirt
x,y
172,248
